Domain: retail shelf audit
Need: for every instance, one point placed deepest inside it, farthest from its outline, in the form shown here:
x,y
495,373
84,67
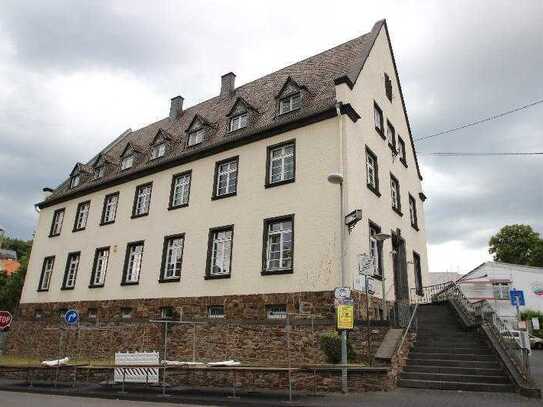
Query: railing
x,y
426,295
411,327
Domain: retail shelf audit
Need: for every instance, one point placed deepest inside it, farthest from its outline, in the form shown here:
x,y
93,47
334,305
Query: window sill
x,y
123,283
381,133
171,208
375,191
169,280
78,230
402,160
107,223
416,227
273,272
278,183
398,211
67,288
96,285
377,277
139,216
42,290
55,235
233,131
215,197
216,277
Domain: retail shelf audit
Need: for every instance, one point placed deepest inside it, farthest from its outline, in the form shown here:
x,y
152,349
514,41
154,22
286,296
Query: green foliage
x,y
517,244
528,314
330,344
11,287
21,247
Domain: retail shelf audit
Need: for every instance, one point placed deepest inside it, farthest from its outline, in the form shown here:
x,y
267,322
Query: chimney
x,y
228,81
176,107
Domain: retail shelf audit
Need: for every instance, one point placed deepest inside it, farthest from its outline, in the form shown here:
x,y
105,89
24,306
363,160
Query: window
x,y
46,272
376,249
166,313
56,225
70,274
62,312
238,122
75,181
180,190
215,311
99,268
290,103
38,314
418,273
378,119
126,313
142,200
99,172
276,311
172,258
388,87
92,313
391,135
501,290
401,150
196,137
81,216
109,211
413,212
281,165
127,162
395,194
226,178
132,263
219,259
158,151
372,171
278,245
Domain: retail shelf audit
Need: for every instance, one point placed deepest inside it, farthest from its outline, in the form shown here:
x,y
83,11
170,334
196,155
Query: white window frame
x,y
142,203
101,263
239,121
221,252
82,216
371,170
374,250
286,243
71,270
173,257
227,171
75,181
158,150
284,158
278,311
99,172
196,137
215,312
110,208
181,189
501,290
134,261
378,118
290,103
127,162
395,193
48,266
413,211
58,220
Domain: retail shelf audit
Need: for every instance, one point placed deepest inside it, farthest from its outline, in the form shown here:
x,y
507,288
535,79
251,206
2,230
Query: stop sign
x,y
5,320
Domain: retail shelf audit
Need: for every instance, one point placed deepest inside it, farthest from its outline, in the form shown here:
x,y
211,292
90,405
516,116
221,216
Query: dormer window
x,y
290,103
99,172
238,122
196,137
127,162
75,181
158,151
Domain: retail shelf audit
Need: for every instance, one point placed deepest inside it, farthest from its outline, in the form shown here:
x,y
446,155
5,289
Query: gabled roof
x,y
8,254
198,118
130,147
289,81
79,168
160,135
240,101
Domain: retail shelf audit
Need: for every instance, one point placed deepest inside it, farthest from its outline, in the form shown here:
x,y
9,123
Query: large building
x,y
227,207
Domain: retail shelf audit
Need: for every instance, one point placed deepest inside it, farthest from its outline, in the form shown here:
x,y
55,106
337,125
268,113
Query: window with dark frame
x,y
413,212
109,211
70,273
126,313
56,224
388,87
376,248
180,190
46,272
99,268
372,171
166,313
158,151
219,261
142,200
226,178
92,314
418,273
278,245
281,163
133,263
290,103
172,257
99,172
395,194
238,122
378,119
81,216
401,150
38,314
215,311
501,290
276,311
391,135
127,162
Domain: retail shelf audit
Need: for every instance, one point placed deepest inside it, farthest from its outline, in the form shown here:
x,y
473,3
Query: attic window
x,y
196,137
238,122
127,162
75,181
388,87
99,172
158,151
290,103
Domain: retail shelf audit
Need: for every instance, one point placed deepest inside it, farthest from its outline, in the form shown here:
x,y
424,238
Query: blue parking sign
x,y
517,297
71,317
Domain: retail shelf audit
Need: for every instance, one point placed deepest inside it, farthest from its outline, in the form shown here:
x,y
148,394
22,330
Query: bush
x,y
330,344
528,314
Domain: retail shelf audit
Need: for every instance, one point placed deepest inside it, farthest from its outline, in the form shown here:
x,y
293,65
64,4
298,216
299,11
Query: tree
x,y
517,244
11,286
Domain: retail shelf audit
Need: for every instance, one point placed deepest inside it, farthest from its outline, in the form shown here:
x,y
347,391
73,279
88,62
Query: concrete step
x,y
459,363
447,377
459,370
451,356
480,350
446,385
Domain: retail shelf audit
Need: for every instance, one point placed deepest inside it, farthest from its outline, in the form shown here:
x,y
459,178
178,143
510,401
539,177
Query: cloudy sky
x,y
74,75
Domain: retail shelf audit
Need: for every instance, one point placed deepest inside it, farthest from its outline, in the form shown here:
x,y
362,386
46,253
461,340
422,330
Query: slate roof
x,y
317,74
8,254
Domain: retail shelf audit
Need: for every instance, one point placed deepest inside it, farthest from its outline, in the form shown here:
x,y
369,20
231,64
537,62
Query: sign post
x,y
5,320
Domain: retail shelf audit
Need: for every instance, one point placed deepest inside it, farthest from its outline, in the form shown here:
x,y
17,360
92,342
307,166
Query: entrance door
x,y
401,283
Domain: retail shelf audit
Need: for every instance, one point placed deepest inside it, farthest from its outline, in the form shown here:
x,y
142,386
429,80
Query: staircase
x,y
447,357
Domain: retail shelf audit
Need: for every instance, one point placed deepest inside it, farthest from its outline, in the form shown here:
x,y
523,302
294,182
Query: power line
x,y
460,154
487,119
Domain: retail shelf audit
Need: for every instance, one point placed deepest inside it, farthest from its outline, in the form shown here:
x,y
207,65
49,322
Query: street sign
x,y
359,283
535,323
5,320
345,317
517,297
366,265
342,292
71,317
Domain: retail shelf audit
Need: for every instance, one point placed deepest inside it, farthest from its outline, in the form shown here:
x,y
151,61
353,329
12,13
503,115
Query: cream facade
x,y
314,202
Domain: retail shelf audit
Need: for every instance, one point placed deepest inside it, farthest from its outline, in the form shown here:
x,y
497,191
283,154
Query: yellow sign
x,y
345,317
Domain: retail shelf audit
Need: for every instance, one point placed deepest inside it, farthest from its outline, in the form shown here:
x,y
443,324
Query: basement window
x,y
92,314
166,313
276,311
126,313
215,311
38,314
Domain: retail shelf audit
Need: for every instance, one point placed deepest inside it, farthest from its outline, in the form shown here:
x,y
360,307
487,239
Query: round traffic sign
x,y
71,317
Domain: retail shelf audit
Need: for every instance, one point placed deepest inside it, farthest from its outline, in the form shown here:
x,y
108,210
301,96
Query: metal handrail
x,y
407,328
